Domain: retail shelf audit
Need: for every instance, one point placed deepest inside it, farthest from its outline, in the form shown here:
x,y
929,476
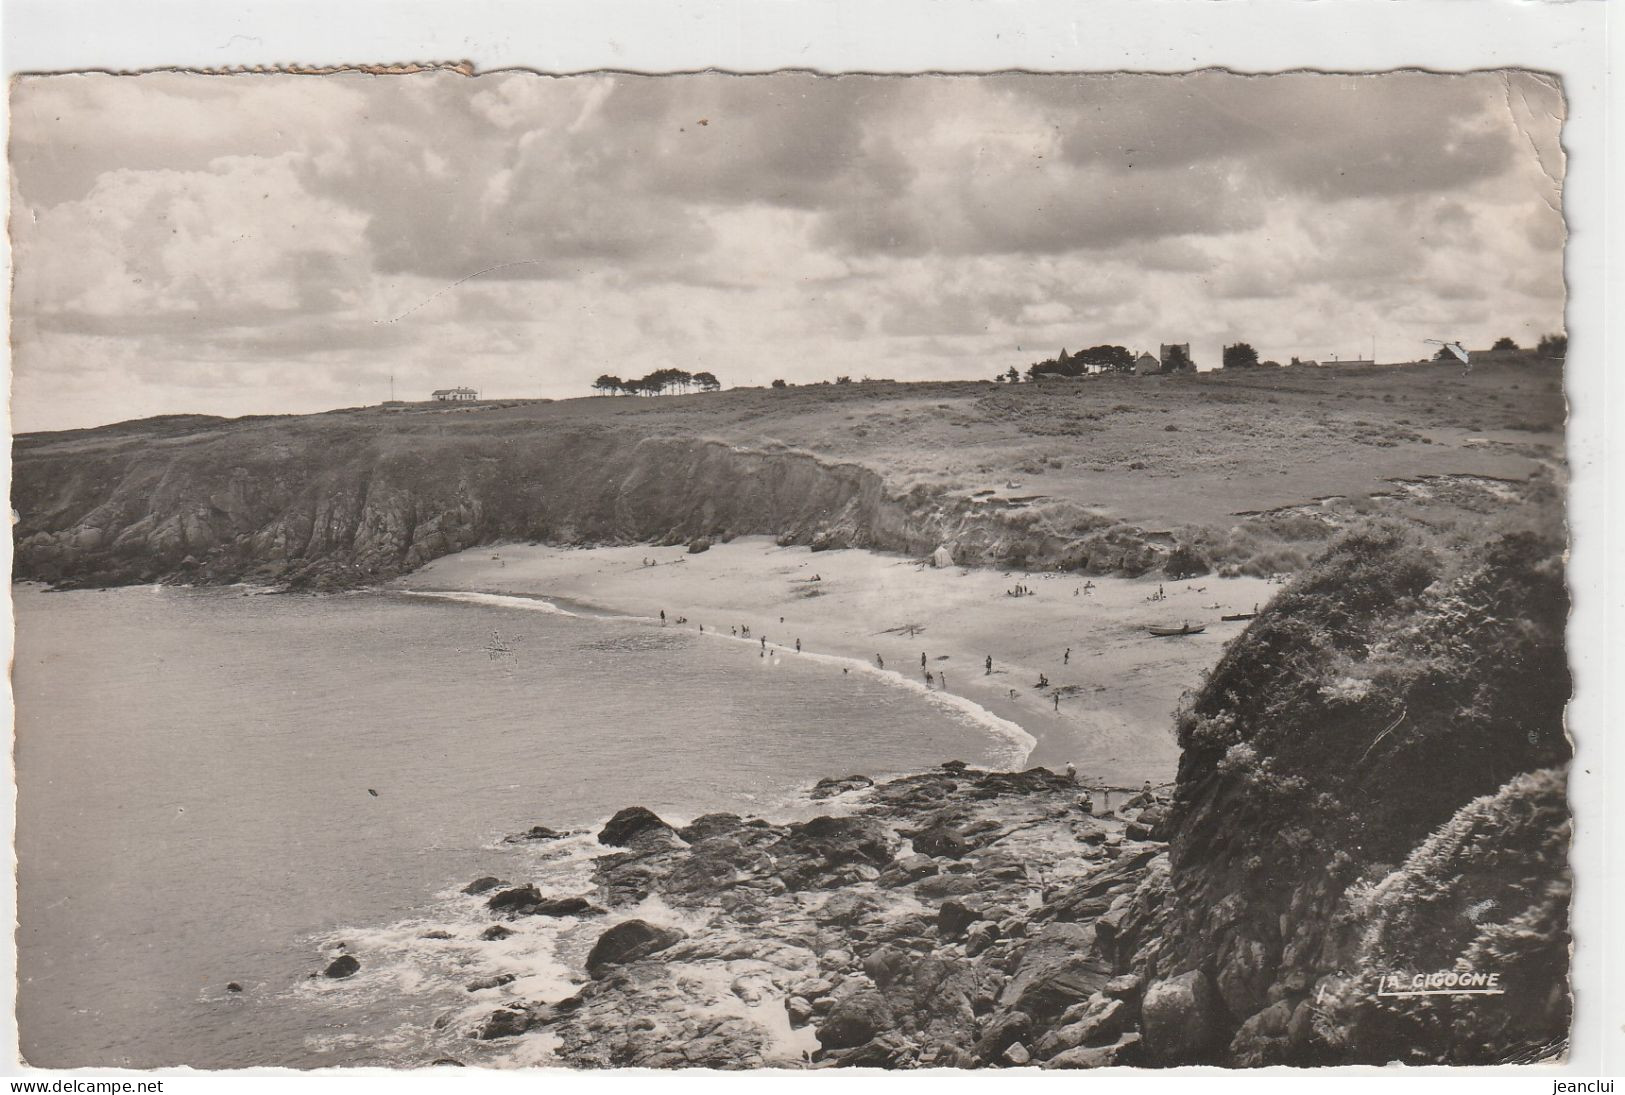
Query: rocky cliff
x,y
1371,787
324,502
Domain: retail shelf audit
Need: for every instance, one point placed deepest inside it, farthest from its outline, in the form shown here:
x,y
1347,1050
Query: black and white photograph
x,y
790,571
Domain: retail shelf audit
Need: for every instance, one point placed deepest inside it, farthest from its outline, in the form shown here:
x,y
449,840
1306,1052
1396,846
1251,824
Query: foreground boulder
x,y
629,941
1180,1018
854,1021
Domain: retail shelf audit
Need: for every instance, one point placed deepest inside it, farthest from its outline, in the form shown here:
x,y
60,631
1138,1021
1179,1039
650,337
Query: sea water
x,y
220,786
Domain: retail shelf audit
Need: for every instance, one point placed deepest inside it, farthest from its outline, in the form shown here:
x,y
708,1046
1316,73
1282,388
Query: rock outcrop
x,y
1371,787
969,958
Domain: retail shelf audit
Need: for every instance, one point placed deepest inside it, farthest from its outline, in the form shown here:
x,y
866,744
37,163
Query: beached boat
x,y
1239,616
1185,629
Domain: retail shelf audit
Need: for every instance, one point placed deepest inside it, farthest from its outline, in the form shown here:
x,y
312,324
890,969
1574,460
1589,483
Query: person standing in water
x,y
764,644
662,617
989,665
1067,657
880,662
1057,703
922,659
798,644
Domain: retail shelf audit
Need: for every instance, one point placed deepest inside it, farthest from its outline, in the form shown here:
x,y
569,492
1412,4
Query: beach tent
x,y
942,557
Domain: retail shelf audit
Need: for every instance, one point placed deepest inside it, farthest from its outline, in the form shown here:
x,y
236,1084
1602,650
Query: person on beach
x,y
989,665
662,617
764,644
922,659
798,645
702,629
1067,657
880,662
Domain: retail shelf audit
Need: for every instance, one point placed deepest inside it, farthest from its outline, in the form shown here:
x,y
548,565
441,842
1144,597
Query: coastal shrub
x,y
1488,892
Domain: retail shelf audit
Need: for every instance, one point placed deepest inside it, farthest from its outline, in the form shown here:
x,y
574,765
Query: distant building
x,y
1165,348
1145,364
455,395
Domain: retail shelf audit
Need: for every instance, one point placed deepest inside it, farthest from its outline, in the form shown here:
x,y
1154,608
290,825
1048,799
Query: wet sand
x,y
1117,691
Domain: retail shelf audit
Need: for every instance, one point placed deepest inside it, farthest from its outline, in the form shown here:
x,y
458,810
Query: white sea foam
x,y
504,600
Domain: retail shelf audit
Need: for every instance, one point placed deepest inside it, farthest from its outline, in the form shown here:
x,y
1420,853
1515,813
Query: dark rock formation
x,y
631,823
629,941
829,788
533,834
514,900
566,906
343,966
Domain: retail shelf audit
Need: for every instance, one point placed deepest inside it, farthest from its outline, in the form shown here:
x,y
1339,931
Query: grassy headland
x,y
1250,472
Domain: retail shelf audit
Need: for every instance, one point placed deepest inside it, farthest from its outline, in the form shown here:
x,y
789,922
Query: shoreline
x,y
1016,736
1116,691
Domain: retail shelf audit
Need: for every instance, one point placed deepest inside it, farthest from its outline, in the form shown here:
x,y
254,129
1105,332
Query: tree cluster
x,y
1096,359
659,382
1240,356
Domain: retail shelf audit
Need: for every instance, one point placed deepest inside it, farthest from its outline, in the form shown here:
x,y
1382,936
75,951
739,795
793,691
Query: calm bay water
x,y
194,771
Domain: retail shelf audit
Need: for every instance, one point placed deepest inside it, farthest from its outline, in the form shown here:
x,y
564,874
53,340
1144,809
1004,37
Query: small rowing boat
x,y
1184,629
1239,616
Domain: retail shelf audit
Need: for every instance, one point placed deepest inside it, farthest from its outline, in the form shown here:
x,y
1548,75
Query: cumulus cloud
x,y
259,243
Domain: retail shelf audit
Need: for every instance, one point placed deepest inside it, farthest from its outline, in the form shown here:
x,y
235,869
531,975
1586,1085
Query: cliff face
x,y
324,508
312,504
1372,785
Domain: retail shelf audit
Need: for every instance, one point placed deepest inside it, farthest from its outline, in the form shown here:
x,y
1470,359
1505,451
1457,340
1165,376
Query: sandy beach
x,y
1116,691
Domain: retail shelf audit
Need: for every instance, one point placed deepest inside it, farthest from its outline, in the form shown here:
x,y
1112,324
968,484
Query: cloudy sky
x,y
261,244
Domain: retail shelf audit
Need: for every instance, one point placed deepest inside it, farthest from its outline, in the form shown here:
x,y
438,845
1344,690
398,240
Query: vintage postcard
x,y
790,571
